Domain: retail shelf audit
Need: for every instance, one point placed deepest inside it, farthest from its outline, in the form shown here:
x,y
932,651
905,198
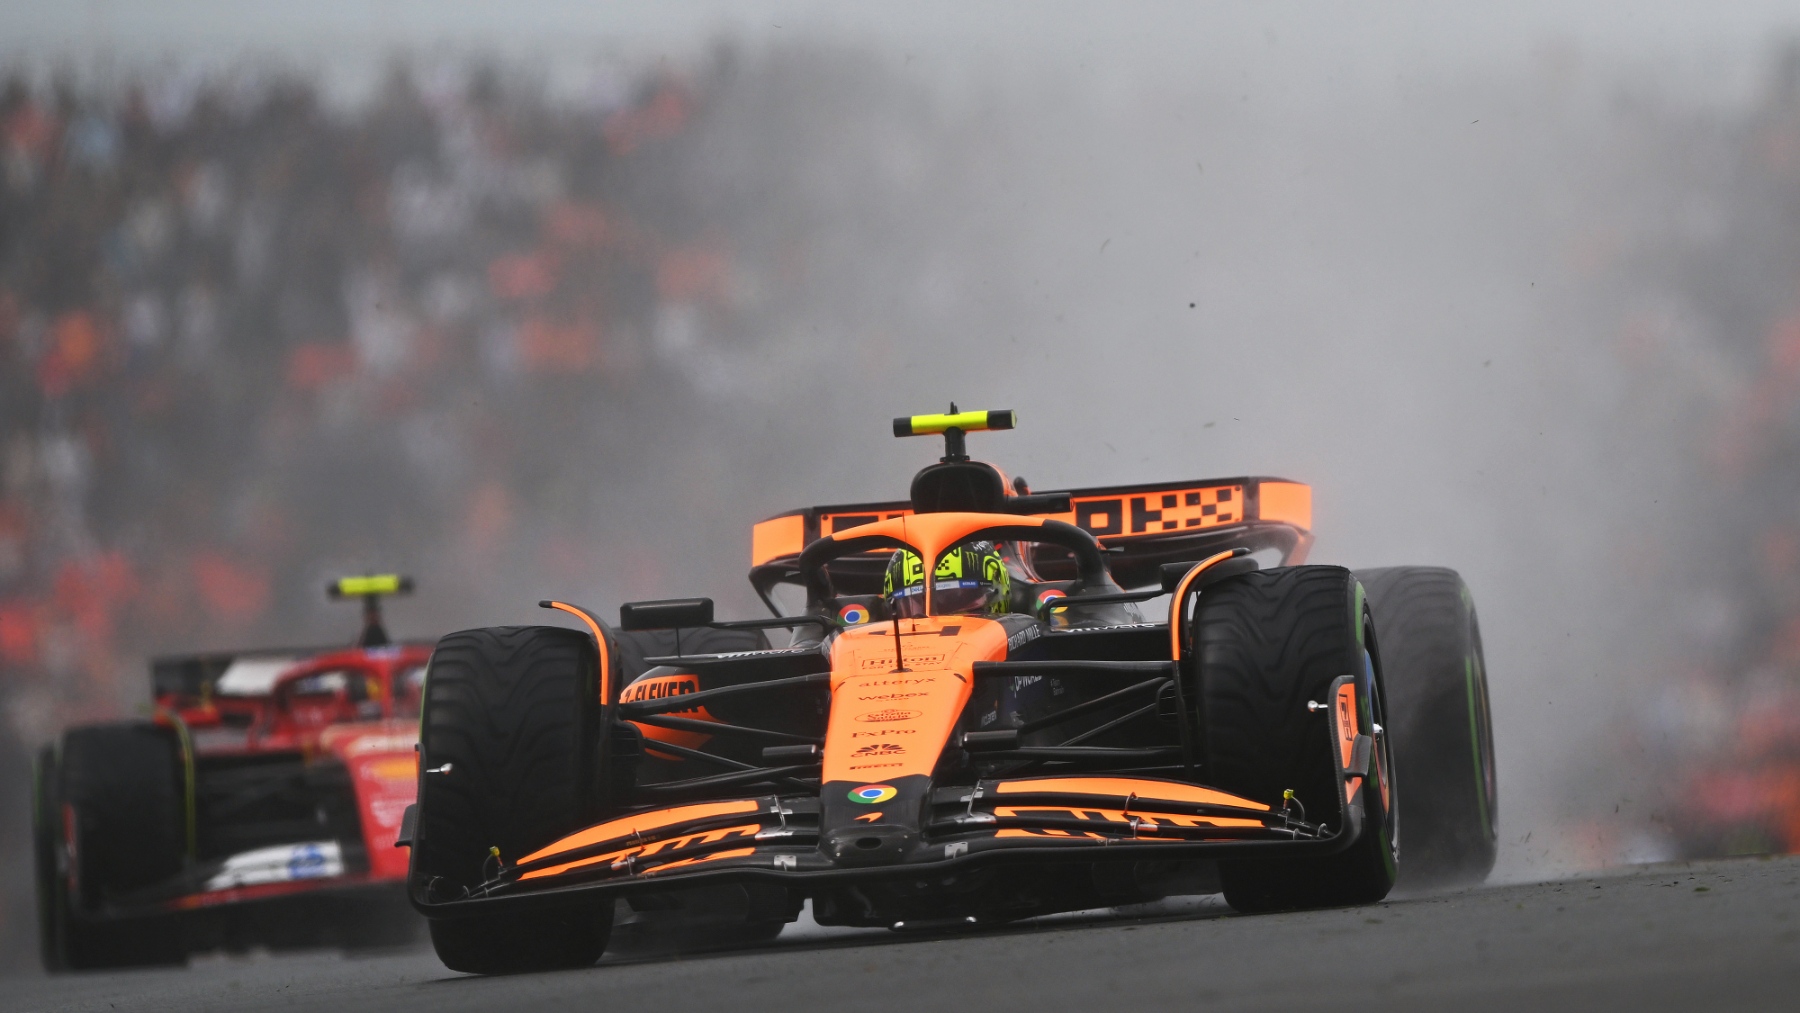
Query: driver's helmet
x,y
970,579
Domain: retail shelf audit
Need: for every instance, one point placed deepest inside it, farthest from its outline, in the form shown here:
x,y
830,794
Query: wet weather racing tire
x,y
109,822
1437,697
509,762
1266,644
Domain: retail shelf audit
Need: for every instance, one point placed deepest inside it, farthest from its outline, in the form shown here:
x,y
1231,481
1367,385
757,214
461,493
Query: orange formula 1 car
x,y
259,806
976,721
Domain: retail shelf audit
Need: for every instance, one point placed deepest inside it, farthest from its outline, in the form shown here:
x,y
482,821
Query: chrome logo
x,y
873,794
1051,595
853,615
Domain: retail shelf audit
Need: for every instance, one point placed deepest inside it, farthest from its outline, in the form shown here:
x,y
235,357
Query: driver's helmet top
x,y
970,579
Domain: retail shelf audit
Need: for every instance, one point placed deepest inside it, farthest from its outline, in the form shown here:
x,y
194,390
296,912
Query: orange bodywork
x,y
1347,732
1145,822
886,722
1286,502
1126,787
665,846
599,642
656,687
1178,598
640,823
777,537
931,534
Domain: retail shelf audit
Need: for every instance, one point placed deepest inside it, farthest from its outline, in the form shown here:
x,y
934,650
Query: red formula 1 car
x,y
259,806
995,704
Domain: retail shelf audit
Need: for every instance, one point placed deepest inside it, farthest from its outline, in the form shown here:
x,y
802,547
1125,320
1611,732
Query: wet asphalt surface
x,y
1702,936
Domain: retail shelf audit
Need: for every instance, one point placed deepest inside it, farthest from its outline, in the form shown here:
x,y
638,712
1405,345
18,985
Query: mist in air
x,y
567,323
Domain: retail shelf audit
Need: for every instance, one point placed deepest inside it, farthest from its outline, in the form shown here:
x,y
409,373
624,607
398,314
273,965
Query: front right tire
x,y
1266,643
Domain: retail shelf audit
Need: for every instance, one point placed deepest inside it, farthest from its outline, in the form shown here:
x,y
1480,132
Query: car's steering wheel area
x,y
1092,575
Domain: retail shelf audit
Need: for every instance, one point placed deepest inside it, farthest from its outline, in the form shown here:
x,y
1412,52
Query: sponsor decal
x,y
891,696
380,744
880,749
1051,594
872,766
1023,637
853,615
882,733
780,652
282,863
659,687
921,660
875,683
889,714
873,794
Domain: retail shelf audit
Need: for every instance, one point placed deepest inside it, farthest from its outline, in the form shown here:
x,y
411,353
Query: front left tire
x,y
509,762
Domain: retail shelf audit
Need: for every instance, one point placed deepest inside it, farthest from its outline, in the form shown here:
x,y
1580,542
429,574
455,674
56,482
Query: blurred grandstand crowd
x,y
1718,311
239,331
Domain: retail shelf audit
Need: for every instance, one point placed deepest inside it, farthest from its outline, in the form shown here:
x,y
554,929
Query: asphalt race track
x,y
1706,936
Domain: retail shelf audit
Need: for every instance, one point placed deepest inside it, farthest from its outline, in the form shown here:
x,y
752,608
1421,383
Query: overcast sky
x,y
1707,41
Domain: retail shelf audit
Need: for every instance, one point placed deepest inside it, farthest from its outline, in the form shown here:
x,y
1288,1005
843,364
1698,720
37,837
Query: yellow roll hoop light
x,y
968,422
360,587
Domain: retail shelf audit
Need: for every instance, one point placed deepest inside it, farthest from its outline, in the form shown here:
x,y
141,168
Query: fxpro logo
x,y
882,733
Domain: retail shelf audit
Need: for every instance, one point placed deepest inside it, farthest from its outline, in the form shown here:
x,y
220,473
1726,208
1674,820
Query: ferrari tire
x,y
509,762
1437,697
110,821
47,859
1266,644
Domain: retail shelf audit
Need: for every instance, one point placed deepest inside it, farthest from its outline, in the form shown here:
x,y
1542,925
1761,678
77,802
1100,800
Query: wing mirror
x,y
666,614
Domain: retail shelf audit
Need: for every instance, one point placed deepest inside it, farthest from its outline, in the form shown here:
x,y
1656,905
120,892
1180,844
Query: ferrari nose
x,y
878,844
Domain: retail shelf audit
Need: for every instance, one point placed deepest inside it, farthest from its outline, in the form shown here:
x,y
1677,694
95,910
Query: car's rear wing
x,y
1144,526
187,680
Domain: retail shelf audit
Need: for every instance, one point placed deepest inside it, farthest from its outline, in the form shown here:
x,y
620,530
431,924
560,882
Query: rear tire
x,y
1266,644
1437,697
515,714
47,858
119,789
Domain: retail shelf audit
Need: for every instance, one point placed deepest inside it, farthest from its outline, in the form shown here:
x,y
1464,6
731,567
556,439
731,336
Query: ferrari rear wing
x,y
186,680
1145,526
